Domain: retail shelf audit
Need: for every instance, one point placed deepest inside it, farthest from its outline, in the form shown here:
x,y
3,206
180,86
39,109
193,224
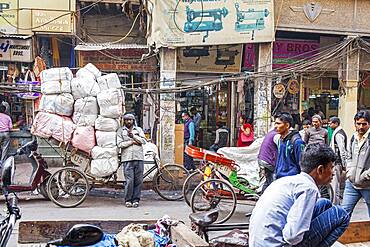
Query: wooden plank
x,y
182,236
44,231
356,232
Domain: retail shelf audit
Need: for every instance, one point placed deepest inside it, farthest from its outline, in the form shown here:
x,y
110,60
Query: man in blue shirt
x,y
290,212
290,146
189,139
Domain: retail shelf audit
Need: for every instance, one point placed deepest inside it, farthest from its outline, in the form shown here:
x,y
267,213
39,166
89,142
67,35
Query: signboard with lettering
x,y
129,60
8,16
52,21
16,50
285,52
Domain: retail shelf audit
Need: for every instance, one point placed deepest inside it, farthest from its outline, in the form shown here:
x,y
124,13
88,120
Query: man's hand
x,y
130,135
137,143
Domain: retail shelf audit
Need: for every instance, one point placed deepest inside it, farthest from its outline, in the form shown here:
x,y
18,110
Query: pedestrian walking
x,y
339,144
196,120
222,138
5,127
131,139
266,159
189,139
290,212
358,164
316,133
290,146
246,133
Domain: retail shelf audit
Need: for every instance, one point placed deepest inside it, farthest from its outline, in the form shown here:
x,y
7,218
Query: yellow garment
x,y
134,235
55,48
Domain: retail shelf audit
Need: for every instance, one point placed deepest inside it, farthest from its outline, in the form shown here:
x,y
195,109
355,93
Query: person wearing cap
x,y
131,139
316,134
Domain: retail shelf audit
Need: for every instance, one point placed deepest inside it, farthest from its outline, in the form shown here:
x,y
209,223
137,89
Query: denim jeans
x,y
188,160
4,144
133,172
328,223
352,195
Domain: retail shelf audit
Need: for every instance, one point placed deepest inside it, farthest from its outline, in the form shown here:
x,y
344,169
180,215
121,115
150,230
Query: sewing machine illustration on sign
x,y
250,20
204,20
196,52
225,57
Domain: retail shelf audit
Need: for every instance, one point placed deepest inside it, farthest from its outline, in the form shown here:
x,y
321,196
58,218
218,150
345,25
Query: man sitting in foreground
x,y
290,212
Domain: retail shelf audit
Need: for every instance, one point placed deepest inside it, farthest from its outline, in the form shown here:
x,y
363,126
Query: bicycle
x,y
220,186
74,184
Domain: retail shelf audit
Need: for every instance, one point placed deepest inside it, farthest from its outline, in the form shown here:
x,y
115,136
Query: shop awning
x,y
107,46
14,36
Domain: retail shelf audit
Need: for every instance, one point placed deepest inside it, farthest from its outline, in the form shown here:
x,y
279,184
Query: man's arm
x,y
192,133
197,120
140,137
123,140
217,136
300,215
10,124
342,148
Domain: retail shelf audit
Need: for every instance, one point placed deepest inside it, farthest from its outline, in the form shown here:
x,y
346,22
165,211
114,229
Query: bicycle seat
x,y
204,218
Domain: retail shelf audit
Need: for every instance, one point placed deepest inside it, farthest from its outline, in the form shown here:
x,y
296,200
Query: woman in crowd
x,y
246,133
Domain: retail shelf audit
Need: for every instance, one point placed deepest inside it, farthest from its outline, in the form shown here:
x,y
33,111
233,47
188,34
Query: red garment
x,y
244,144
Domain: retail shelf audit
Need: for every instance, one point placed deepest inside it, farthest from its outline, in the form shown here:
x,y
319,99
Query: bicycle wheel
x,y
71,185
168,182
190,184
214,194
43,188
326,191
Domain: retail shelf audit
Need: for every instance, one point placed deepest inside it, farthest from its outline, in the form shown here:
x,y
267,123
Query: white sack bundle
x,y
106,124
56,87
89,68
106,139
85,111
47,125
84,87
84,138
104,153
111,103
56,74
61,104
109,81
104,167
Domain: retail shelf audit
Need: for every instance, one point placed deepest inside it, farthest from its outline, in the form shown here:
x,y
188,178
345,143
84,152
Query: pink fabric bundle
x,y
84,138
48,125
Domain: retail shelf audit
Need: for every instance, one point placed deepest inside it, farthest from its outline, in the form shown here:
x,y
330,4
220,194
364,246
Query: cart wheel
x,y
68,187
326,191
190,184
43,188
168,182
214,194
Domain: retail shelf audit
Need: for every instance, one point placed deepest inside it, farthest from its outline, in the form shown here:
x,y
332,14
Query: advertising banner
x,y
210,59
52,21
8,16
177,23
16,50
285,52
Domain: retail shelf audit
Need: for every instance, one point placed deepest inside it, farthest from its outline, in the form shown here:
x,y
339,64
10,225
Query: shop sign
x,y
9,16
16,50
177,23
52,21
210,59
279,90
293,86
285,52
119,60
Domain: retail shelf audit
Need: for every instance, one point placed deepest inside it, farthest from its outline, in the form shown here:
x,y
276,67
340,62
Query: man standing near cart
x,y
131,139
5,127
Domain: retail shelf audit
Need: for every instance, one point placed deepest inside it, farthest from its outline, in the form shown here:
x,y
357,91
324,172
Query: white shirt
x,y
284,212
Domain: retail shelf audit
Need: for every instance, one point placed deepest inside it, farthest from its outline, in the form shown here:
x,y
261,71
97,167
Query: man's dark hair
x,y
316,154
2,109
362,114
193,109
285,117
306,122
335,120
185,113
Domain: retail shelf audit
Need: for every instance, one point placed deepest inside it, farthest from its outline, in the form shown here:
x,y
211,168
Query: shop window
x,y
334,84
